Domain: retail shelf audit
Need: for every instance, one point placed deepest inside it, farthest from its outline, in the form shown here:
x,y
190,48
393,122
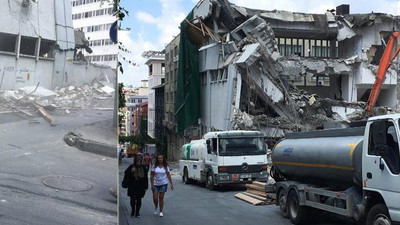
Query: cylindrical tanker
x,y
320,157
195,150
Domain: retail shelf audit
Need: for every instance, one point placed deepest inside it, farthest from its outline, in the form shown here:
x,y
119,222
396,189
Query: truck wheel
x,y
283,203
210,181
297,213
186,179
379,215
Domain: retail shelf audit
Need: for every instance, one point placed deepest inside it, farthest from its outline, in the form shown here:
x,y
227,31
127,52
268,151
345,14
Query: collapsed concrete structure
x,y
279,71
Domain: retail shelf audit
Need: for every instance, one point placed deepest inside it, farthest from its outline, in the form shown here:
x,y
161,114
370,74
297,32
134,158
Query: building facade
x,y
95,18
140,117
173,140
159,129
156,64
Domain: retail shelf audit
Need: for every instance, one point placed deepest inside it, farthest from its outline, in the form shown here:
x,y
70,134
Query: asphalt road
x,y
196,205
44,181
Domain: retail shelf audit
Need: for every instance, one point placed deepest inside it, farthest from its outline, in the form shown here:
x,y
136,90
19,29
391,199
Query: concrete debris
x,y
107,89
36,100
37,92
46,115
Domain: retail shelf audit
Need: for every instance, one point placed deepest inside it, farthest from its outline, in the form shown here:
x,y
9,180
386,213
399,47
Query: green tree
x,y
121,96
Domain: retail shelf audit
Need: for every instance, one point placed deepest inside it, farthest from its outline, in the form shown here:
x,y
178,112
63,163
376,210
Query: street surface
x,y
195,205
44,181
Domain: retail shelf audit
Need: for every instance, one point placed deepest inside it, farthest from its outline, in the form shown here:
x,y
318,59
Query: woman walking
x,y
159,177
137,183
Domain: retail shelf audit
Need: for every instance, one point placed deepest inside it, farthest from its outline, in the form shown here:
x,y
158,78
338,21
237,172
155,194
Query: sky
x,y
154,23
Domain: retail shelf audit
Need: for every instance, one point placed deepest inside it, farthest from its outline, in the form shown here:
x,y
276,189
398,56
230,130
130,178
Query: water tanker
x,y
330,157
352,172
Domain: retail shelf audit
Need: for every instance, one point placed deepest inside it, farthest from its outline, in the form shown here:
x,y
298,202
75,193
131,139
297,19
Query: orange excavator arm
x,y
385,63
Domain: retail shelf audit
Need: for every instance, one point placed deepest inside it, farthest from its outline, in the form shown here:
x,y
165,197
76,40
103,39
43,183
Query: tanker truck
x,y
225,157
352,172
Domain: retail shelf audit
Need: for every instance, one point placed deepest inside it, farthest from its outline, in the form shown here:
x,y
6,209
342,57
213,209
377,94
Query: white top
x,y
160,175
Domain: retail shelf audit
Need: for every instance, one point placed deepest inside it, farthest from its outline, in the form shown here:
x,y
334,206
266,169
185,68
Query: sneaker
x,y
137,215
155,212
132,214
161,214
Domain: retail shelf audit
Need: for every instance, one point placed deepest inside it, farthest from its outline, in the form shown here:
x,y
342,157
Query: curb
x,y
76,140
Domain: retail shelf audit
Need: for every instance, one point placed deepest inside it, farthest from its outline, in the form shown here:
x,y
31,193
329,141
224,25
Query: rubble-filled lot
x,y
33,101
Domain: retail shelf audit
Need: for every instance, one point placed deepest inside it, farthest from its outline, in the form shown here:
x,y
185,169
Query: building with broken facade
x,y
278,71
37,46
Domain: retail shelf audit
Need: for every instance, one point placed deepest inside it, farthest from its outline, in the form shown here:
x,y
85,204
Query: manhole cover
x,y
66,183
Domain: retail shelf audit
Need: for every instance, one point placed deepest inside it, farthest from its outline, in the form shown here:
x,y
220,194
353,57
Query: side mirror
x,y
208,147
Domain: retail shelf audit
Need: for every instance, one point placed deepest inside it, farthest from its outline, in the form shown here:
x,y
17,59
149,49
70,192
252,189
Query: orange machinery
x,y
385,63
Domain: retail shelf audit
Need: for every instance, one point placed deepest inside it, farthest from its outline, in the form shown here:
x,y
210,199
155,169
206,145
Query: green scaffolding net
x,y
187,102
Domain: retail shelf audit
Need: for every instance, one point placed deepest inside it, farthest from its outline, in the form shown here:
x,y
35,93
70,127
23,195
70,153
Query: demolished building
x,y
279,71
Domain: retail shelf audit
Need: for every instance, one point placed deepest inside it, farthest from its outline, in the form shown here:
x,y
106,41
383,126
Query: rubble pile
x,y
32,100
97,94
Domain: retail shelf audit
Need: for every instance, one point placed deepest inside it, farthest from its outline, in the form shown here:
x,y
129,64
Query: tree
x,y
121,96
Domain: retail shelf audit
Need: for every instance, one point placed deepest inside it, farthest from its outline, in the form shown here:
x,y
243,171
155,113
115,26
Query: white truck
x,y
353,172
225,157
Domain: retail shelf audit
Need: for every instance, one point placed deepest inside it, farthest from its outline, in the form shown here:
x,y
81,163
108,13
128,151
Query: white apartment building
x,y
156,63
95,19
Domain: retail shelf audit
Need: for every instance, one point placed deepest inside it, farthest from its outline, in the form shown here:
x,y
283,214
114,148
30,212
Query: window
x,y
8,42
163,68
214,75
383,141
28,46
46,49
109,11
99,12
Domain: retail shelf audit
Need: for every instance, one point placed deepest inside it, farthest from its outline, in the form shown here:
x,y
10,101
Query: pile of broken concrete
x,y
31,100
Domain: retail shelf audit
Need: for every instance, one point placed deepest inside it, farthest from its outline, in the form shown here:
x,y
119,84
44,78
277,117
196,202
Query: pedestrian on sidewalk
x,y
159,176
137,183
147,161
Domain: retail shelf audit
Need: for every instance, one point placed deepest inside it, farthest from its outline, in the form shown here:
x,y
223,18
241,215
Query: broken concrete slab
x,y
46,115
38,91
249,56
79,142
107,89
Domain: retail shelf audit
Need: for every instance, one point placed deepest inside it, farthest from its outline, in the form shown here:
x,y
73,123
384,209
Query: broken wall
x,y
82,73
23,72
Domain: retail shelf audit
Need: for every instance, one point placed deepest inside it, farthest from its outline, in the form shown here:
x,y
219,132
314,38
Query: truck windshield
x,y
241,146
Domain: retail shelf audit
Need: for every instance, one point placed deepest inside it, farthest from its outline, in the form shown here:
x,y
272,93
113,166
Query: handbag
x,y
125,182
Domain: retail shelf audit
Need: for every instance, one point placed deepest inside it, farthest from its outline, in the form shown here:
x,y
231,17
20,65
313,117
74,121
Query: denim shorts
x,y
162,188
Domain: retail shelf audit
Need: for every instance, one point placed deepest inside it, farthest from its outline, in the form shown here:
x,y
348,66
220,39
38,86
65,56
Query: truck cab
x,y
230,157
381,168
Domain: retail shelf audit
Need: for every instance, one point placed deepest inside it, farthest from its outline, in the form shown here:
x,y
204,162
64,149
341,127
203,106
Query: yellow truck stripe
x,y
315,165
